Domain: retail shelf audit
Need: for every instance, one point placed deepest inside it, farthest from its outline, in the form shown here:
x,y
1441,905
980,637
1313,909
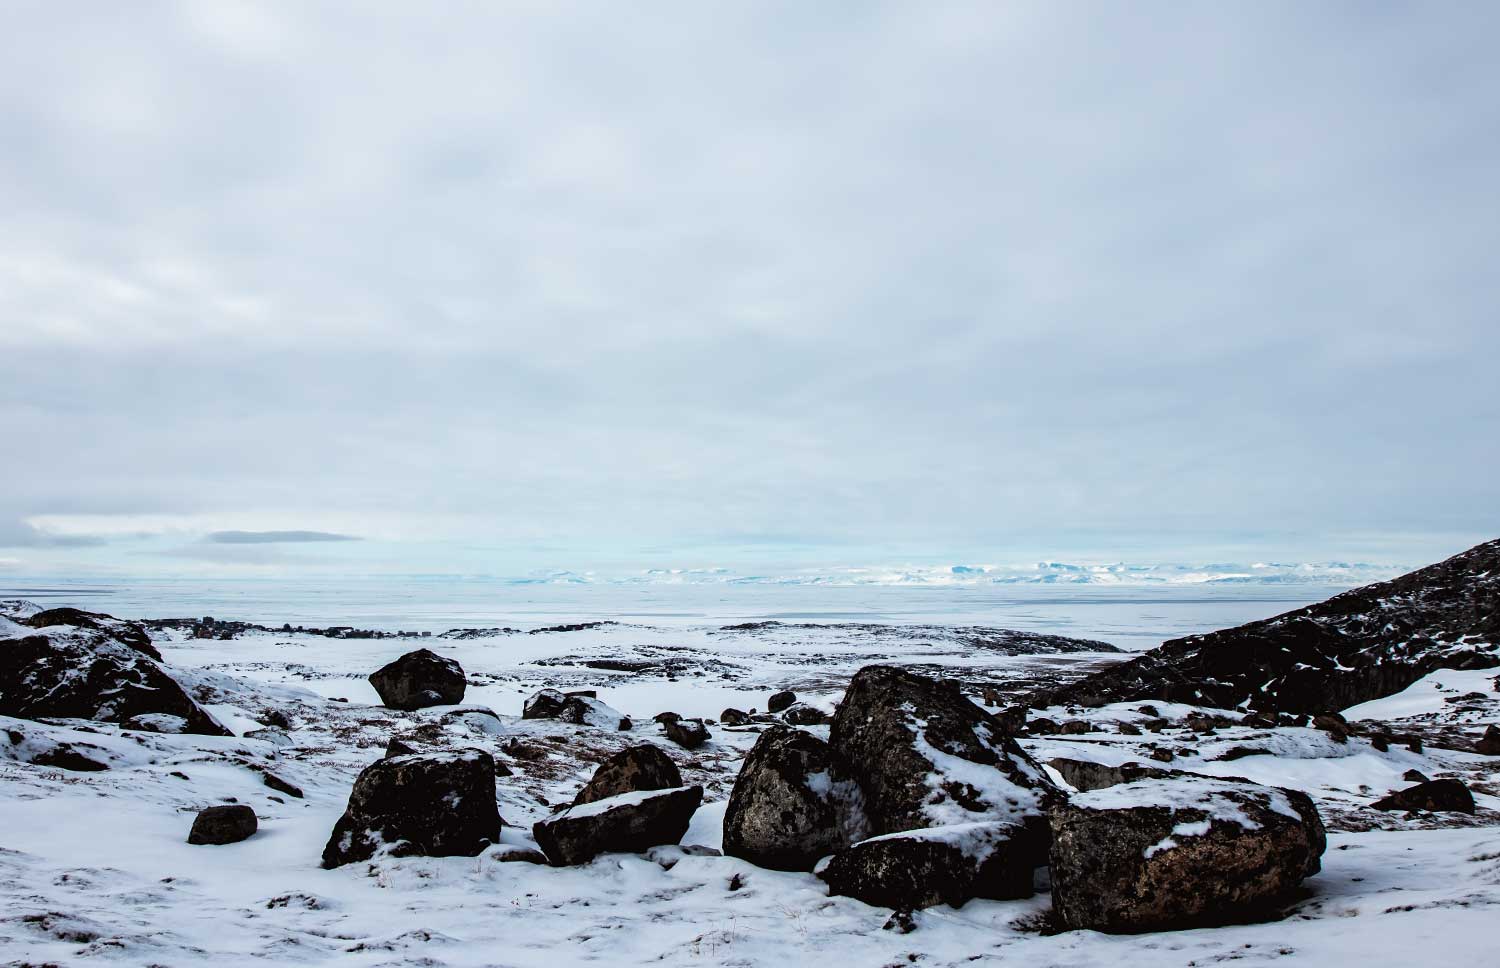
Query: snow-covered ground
x,y
95,867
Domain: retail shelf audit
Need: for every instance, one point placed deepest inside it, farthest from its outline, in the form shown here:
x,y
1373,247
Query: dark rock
x,y
801,714
1436,795
1259,721
1128,729
1414,776
1136,857
588,711
1074,727
420,679
636,768
1364,644
65,756
628,823
1041,726
794,802
943,865
1084,776
897,732
1012,720
281,786
544,704
433,804
666,718
130,634
1489,743
398,747
82,673
1199,723
1149,710
780,701
1380,742
523,856
687,733
227,824
734,717
1334,725
1240,752
1161,755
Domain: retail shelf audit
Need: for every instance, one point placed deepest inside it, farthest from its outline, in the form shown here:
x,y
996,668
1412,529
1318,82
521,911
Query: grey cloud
x,y
909,276
275,537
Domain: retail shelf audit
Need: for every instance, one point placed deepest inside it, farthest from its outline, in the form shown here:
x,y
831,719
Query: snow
x,y
95,866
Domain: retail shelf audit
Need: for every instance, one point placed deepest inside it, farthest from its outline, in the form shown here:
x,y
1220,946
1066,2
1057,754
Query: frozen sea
x,y
1131,617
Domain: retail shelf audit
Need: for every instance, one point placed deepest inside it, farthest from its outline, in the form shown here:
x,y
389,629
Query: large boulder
x,y
1438,795
581,708
1361,645
1158,854
927,756
631,770
627,823
780,700
794,802
73,672
433,804
940,865
228,824
420,679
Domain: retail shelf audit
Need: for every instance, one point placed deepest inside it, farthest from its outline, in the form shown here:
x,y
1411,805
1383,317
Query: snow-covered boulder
x,y
636,768
579,708
687,733
543,704
72,672
628,823
420,679
805,714
794,802
1161,854
1439,795
926,756
940,865
228,824
433,804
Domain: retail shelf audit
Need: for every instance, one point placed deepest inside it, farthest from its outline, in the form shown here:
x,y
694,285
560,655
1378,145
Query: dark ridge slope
x,y
1363,644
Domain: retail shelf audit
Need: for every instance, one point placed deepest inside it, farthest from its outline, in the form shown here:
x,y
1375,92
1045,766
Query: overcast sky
x,y
534,285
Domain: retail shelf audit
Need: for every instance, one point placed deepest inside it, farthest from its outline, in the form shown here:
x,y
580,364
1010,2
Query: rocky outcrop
x,y
803,714
228,824
1361,645
1161,854
433,804
420,679
794,802
944,865
1436,795
628,823
131,634
926,756
74,672
631,770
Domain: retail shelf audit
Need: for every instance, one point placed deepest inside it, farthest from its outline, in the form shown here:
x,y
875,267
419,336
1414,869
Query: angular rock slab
x,y
1163,854
632,770
72,672
941,865
927,756
629,823
432,804
420,679
794,802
